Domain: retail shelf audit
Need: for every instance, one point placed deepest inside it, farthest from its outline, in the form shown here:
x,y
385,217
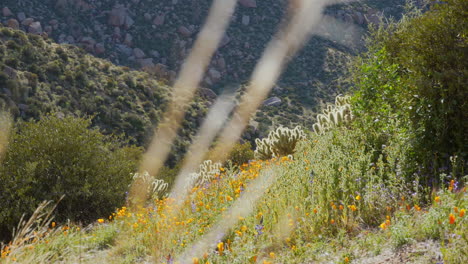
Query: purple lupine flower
x,y
259,229
194,207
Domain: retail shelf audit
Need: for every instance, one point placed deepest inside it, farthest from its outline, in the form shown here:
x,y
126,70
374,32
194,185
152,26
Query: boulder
x,y
117,16
7,92
70,39
207,94
214,75
160,69
128,40
6,12
222,63
138,53
23,107
358,17
124,49
88,43
12,74
13,23
117,32
35,28
146,63
272,101
159,20
348,18
27,21
184,31
128,22
147,16
21,16
155,54
226,39
373,16
48,29
99,48
248,3
245,20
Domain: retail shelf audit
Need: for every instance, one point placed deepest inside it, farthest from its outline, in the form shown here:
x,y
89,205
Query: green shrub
x,y
241,153
62,156
343,173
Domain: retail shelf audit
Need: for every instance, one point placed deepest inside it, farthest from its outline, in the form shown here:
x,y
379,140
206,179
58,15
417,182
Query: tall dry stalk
x,y
33,230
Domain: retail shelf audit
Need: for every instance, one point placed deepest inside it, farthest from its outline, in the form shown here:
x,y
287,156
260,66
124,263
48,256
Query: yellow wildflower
x,y
220,247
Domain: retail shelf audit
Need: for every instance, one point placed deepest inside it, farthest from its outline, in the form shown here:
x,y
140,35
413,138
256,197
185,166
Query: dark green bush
x,y
62,156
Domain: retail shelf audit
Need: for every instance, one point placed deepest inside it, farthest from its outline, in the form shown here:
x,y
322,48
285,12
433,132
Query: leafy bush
x,y
348,187
412,81
61,156
241,153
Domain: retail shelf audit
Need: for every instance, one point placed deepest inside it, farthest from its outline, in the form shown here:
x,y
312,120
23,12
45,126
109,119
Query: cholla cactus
x,y
280,142
334,115
156,188
208,171
263,150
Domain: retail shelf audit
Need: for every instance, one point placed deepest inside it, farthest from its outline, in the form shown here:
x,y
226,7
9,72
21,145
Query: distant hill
x,y
158,35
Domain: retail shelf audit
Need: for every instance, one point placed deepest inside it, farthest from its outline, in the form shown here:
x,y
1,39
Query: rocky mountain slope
x,y
157,36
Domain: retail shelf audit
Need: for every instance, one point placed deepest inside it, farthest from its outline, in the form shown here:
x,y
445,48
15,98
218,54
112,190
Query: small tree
x,y
63,156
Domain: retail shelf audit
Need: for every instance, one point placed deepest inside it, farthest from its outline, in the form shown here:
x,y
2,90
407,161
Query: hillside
x,y
38,76
157,35
378,177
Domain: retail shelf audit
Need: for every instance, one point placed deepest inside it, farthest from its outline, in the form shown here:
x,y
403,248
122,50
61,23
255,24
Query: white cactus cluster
x,y
208,171
156,188
280,142
334,115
